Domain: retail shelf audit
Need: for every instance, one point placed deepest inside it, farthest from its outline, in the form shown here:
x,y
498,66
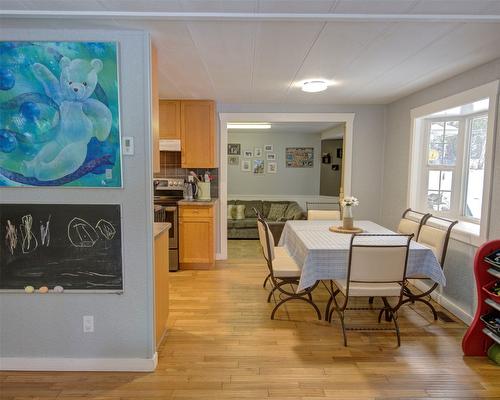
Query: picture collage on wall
x,y
59,114
253,159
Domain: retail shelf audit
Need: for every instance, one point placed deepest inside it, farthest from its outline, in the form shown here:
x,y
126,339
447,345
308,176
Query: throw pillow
x,y
230,208
277,211
240,211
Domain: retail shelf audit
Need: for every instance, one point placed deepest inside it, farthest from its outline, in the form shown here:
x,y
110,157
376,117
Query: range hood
x,y
170,145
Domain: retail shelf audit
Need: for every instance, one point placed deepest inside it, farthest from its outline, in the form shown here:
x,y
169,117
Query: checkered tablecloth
x,y
324,255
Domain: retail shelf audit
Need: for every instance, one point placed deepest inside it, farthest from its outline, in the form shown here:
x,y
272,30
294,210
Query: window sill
x,y
467,232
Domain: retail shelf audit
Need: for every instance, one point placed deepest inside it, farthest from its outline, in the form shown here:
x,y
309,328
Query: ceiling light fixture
x,y
259,125
314,86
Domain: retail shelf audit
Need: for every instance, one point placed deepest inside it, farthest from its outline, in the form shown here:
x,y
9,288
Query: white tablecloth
x,y
324,255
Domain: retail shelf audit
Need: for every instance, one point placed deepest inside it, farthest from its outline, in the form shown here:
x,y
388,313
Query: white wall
x,y
460,289
287,181
368,146
50,326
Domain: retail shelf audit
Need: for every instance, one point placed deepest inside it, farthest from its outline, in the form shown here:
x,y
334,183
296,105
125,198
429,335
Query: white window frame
x,y
468,230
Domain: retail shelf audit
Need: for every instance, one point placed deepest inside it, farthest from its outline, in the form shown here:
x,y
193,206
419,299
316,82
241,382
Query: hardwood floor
x,y
222,345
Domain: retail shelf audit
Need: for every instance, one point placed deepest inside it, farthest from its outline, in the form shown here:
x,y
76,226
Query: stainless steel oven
x,y
167,193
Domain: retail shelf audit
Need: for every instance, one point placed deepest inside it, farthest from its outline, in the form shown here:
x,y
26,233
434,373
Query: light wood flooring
x,y
222,345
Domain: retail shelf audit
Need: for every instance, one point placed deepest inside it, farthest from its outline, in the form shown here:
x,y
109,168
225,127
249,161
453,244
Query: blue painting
x,y
59,114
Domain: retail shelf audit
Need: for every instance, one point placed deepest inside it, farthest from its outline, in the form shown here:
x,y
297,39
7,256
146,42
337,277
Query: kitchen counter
x,y
198,203
160,227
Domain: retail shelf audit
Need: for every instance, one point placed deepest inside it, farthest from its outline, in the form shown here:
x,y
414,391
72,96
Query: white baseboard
x,y
445,302
79,364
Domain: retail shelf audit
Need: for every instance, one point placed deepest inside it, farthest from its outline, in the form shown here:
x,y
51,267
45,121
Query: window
x,y
455,150
451,157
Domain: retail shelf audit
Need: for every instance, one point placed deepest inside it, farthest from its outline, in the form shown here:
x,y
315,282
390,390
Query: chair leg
x,y
295,298
266,280
327,310
395,320
413,300
271,294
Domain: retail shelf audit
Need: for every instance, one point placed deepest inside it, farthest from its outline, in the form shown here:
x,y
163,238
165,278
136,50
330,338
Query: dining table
x,y
324,255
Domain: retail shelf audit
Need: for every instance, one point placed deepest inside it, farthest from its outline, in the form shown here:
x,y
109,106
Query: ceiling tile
x,y
142,5
453,6
63,5
245,6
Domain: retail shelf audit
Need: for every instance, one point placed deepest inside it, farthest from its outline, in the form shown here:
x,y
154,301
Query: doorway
x,y
226,118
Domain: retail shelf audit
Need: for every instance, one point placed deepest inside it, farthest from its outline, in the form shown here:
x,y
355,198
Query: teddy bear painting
x,y
59,111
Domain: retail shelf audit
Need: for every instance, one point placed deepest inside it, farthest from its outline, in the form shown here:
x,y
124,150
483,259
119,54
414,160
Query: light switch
x,y
128,145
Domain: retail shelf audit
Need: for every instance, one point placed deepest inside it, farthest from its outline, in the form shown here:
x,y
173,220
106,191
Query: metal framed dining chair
x,y
323,211
283,272
412,221
277,250
435,233
377,267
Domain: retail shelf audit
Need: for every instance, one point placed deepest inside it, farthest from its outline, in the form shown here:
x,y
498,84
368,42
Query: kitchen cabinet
x,y
196,235
197,134
170,119
161,281
155,124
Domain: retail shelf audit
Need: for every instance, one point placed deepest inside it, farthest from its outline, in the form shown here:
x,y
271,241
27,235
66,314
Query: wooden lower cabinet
x,y
161,285
196,236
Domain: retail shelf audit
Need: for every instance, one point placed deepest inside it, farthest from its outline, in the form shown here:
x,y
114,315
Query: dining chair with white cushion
x,y
283,271
435,233
323,211
376,268
411,222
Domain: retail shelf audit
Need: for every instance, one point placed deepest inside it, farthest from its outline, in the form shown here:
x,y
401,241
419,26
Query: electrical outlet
x,y
88,323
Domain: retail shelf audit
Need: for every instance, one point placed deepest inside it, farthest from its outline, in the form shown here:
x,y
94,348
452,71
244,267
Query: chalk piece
x,y
58,289
43,289
29,289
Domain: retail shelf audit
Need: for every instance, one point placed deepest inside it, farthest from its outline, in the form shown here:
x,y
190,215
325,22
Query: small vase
x,y
347,220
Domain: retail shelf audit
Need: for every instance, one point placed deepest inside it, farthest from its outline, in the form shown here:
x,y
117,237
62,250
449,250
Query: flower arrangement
x,y
349,201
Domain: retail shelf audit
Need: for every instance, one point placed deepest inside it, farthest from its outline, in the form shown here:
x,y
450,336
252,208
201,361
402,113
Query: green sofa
x,y
247,228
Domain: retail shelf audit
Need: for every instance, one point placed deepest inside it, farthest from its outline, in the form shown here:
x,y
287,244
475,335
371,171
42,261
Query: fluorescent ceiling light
x,y
314,86
258,125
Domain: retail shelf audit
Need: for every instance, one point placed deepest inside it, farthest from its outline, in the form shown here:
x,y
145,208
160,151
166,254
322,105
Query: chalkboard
x,y
76,246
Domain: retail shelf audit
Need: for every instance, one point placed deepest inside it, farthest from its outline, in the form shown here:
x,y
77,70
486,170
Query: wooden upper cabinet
x,y
198,133
170,119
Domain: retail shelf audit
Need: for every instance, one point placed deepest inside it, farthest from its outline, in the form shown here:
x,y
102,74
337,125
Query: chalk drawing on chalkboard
x,y
81,233
106,228
76,246
45,232
11,237
29,242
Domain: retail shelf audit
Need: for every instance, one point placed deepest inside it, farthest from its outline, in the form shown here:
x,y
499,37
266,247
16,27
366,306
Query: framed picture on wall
x,y
268,147
234,149
233,160
258,166
271,156
60,114
272,167
257,152
299,157
248,153
246,165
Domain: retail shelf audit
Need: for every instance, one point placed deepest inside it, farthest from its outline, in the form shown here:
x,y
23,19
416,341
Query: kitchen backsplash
x,y
170,166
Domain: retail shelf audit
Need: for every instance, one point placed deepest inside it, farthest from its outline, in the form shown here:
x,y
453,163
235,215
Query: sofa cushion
x,y
244,223
239,212
230,211
266,206
249,206
294,211
277,211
